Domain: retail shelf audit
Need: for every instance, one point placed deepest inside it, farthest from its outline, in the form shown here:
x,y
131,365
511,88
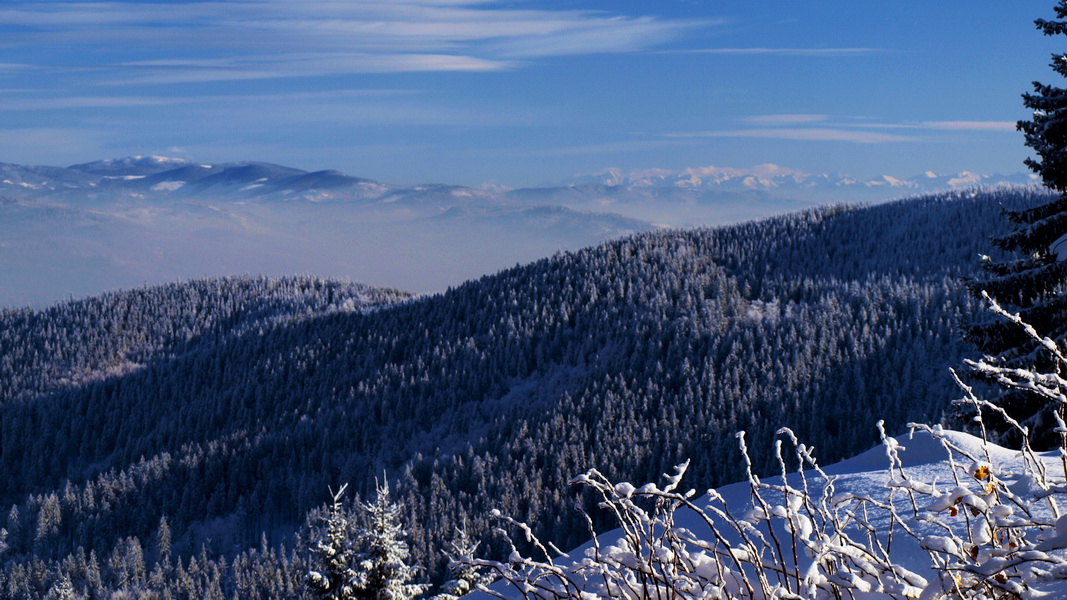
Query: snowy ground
x,y
978,515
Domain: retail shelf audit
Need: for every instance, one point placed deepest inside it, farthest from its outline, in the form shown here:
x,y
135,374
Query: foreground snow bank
x,y
932,514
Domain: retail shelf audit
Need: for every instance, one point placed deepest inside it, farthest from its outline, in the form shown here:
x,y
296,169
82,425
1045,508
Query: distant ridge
x,y
266,181
131,165
784,180
89,228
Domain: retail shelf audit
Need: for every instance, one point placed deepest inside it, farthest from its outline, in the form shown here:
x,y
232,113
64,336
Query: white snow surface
x,y
943,482
1059,247
167,186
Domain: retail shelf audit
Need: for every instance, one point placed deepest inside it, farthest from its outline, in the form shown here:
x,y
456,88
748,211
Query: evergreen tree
x,y
384,568
163,541
62,590
14,524
1032,281
335,578
465,575
1047,132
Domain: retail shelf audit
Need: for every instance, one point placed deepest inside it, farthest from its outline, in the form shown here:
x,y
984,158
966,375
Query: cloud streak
x,y
787,119
823,52
828,128
970,125
277,67
74,102
254,39
343,97
813,134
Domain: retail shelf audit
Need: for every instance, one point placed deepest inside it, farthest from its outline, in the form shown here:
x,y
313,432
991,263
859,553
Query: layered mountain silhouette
x,y
88,228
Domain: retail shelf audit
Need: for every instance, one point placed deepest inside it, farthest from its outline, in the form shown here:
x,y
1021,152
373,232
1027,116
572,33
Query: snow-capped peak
x,y
131,165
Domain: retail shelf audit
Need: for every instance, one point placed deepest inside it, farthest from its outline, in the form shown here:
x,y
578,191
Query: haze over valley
x,y
122,223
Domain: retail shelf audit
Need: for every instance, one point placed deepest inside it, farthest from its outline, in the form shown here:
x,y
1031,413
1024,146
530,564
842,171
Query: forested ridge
x,y
112,333
229,406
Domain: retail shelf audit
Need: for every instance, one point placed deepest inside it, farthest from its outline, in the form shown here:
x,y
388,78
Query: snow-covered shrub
x,y
955,517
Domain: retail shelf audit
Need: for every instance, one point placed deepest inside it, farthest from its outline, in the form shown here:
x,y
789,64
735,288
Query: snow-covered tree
x,y
163,541
336,576
466,576
384,572
1032,281
1047,132
62,590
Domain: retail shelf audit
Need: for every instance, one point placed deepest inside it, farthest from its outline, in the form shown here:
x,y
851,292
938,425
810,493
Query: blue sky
x,y
523,92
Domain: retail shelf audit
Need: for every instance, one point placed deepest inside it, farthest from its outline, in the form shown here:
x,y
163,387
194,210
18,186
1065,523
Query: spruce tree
x,y
466,576
1032,281
62,590
384,569
163,540
335,576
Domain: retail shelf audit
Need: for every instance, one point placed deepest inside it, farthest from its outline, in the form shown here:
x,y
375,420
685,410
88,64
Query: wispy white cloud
x,y
73,102
33,104
819,134
275,67
787,119
253,39
823,127
829,52
60,15
935,125
14,67
970,125
594,36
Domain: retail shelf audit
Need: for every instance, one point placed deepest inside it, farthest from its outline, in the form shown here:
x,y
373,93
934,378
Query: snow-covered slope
x,y
928,514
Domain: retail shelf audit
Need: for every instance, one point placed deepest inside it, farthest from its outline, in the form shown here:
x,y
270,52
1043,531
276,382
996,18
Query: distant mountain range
x,y
160,176
92,227
800,184
156,176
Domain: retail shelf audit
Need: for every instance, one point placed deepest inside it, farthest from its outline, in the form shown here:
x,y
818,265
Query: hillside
x,y
628,357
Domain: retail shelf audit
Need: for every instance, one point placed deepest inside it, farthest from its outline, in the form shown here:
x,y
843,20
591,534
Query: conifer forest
x,y
190,440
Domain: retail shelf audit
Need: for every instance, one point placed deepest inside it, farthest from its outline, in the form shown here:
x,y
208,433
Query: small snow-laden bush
x,y
977,521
